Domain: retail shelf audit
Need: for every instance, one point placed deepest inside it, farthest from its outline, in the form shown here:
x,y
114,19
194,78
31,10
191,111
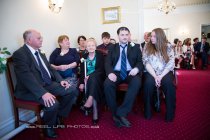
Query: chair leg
x,y
16,114
39,122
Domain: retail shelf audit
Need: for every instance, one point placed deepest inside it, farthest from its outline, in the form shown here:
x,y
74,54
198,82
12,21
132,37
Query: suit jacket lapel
x,y
128,50
32,57
46,62
117,50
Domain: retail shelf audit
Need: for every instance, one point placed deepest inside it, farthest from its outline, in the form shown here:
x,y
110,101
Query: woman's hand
x,y
158,80
65,84
86,79
63,67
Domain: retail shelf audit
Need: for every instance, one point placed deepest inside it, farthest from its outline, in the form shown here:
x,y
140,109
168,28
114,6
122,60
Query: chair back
x,y
11,77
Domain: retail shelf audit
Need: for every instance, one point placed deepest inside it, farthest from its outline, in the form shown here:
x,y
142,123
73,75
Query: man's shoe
x,y
50,133
124,121
117,122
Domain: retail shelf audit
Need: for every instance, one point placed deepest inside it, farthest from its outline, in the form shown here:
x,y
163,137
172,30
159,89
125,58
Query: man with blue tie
x,y
38,81
123,64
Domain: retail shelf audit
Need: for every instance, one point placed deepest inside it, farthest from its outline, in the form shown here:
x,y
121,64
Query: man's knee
x,y
54,107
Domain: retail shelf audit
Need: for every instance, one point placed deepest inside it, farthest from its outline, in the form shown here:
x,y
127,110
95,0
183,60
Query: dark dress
x,y
96,78
68,58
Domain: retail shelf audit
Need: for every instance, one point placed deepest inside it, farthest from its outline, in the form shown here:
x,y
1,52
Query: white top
x,y
157,62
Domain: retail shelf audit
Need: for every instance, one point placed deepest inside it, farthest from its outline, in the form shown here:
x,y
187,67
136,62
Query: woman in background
x,y
179,53
94,79
81,40
159,61
188,51
65,59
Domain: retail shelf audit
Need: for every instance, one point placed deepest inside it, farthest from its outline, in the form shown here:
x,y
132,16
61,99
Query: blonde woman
x,y
94,79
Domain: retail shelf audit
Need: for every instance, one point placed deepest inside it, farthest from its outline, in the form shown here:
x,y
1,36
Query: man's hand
x,y
81,87
112,77
134,71
49,99
65,84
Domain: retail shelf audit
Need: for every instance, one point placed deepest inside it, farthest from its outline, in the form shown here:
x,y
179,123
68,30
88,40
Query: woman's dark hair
x,y
176,40
83,37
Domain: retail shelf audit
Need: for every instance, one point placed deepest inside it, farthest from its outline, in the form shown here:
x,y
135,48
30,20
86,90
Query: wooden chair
x,y
18,103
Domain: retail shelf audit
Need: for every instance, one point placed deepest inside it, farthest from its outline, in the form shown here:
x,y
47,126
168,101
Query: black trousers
x,y
168,89
134,84
95,86
62,106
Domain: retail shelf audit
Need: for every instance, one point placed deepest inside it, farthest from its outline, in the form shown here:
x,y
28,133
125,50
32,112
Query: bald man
x,y
38,81
147,36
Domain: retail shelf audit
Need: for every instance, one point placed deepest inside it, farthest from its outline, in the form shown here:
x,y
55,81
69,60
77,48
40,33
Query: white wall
x,y
182,23
129,18
84,17
18,15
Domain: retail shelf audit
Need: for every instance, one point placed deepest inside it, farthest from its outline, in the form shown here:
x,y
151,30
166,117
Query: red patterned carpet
x,y
192,121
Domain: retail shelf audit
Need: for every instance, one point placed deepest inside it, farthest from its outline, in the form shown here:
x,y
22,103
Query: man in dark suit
x,y
123,64
38,81
201,51
147,36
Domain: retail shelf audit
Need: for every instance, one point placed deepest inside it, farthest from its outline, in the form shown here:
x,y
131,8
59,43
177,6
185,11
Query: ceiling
x,y
154,3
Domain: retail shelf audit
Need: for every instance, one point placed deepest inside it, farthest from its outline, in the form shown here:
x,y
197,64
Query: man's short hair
x,y
122,29
105,35
26,35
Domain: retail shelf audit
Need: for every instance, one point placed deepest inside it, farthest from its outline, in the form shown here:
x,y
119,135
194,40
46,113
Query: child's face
x,y
106,40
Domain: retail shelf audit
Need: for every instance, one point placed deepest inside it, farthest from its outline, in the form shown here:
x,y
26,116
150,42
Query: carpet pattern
x,y
192,120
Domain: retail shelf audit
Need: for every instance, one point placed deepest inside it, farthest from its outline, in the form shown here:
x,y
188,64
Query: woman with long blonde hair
x,y
159,62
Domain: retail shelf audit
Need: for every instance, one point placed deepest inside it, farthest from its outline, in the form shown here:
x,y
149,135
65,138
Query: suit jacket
x,y
30,85
143,44
99,68
134,57
205,47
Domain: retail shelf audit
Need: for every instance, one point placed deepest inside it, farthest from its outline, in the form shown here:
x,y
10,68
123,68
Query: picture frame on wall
x,y
111,15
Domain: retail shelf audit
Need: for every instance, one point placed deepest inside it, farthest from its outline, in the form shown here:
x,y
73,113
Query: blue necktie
x,y
123,71
45,76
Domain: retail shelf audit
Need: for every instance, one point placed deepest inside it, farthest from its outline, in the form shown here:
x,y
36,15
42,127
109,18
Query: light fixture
x,y
166,6
55,5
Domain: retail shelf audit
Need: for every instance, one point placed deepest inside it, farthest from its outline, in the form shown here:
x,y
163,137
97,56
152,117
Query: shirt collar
x,y
123,45
31,49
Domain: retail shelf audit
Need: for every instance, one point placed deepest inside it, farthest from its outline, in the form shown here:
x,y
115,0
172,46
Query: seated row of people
x,y
188,53
40,81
